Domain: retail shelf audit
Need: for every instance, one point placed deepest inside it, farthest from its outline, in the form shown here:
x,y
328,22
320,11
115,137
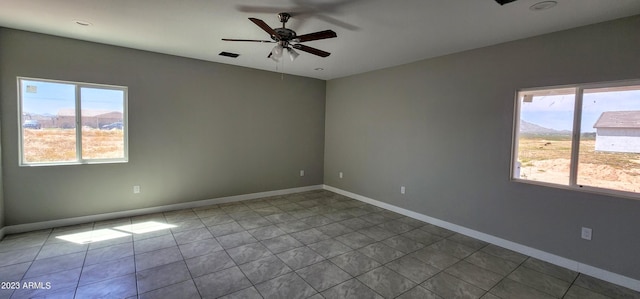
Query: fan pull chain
x,y
282,69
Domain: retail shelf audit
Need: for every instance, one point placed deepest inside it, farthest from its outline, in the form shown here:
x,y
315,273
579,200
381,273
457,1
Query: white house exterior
x,y
618,131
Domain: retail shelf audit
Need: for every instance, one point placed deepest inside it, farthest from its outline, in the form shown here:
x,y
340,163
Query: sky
x,y
49,97
556,112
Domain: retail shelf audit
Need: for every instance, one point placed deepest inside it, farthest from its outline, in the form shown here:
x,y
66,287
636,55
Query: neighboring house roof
x,y
87,112
618,119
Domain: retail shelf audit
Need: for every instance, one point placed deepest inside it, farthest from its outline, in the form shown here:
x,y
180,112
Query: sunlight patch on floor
x,y
144,227
93,236
116,232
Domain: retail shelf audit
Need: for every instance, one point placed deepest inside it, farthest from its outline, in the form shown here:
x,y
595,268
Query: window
x,y
71,123
583,136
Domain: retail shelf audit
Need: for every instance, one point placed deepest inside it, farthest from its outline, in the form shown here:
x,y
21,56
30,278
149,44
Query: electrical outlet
x,y
402,189
136,189
340,174
586,233
301,172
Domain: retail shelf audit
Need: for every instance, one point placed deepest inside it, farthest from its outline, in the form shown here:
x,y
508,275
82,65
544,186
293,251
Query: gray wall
x,y
197,130
1,181
442,127
1,196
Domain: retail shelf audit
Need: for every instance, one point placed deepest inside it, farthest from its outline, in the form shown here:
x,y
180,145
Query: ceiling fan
x,y
286,38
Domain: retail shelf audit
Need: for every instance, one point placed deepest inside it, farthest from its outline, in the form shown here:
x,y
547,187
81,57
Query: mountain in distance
x,y
533,129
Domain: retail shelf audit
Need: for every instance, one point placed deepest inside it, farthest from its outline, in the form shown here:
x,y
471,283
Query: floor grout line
x,y
317,206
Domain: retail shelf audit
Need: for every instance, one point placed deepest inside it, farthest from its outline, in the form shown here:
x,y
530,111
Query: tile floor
x,y
314,244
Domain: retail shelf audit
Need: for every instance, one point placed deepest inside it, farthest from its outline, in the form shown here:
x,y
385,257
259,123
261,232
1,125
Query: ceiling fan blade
x,y
316,36
311,50
503,2
265,27
247,40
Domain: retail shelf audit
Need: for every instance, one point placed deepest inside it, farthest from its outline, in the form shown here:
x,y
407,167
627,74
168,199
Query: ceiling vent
x,y
227,54
503,2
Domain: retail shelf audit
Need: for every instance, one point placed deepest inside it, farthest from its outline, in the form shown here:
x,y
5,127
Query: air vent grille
x,y
227,54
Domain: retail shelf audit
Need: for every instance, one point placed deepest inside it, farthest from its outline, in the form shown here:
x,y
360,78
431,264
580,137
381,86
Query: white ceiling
x,y
372,34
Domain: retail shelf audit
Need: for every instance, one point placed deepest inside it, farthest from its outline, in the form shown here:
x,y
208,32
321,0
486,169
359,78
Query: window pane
x,y
102,123
609,154
544,135
48,122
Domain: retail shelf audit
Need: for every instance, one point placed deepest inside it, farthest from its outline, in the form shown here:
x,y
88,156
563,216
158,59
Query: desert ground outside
x,y
547,159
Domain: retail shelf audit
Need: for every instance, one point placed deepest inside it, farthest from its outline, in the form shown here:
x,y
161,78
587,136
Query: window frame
x,y
575,139
78,123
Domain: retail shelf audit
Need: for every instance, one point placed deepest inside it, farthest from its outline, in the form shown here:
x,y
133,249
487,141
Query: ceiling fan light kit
x,y
277,51
293,54
288,39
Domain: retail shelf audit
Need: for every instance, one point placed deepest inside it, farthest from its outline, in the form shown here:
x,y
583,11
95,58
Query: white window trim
x,y
575,139
78,120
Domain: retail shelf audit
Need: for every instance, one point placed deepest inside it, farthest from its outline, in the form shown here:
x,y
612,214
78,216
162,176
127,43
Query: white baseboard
x,y
536,253
21,228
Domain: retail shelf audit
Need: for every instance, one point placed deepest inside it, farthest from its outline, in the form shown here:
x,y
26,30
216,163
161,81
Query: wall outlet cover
x,y
586,233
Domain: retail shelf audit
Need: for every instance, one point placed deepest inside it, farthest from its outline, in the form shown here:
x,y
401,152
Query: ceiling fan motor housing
x,y
284,17
286,34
